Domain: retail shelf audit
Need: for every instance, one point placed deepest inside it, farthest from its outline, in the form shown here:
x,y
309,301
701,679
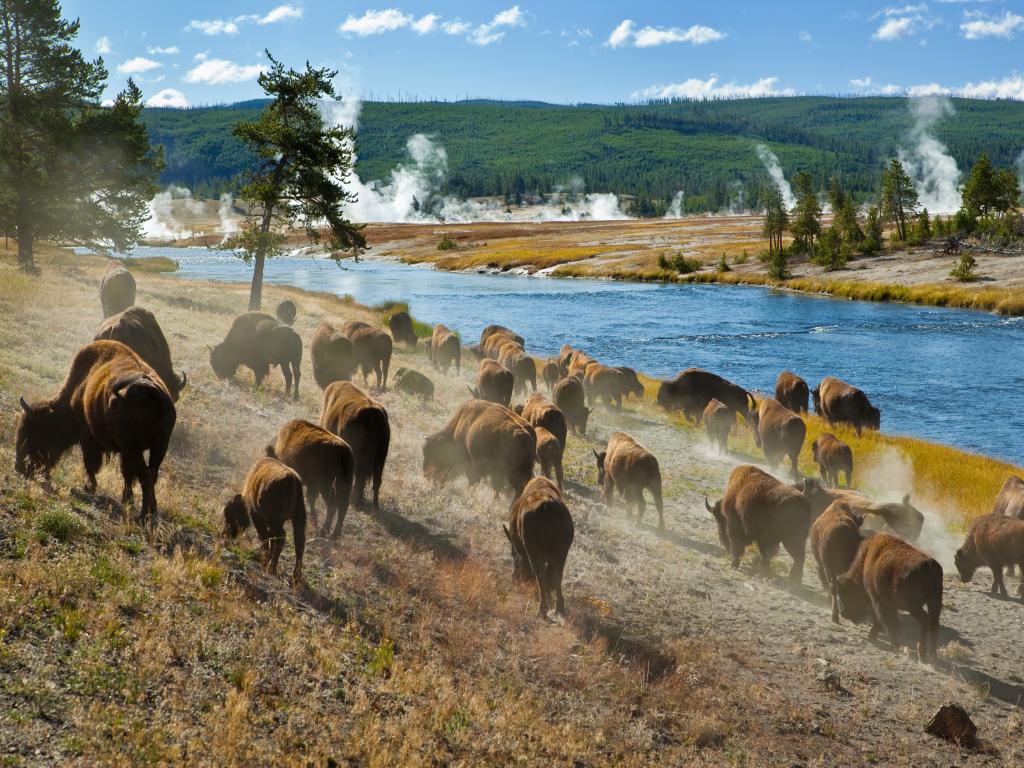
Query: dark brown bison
x,y
363,424
483,439
541,412
780,432
445,349
333,359
629,467
889,575
402,329
992,541
549,455
117,289
792,392
835,538
494,382
259,341
839,403
413,382
757,508
833,457
325,464
500,330
602,382
271,496
110,402
550,374
371,349
1010,501
692,389
286,311
718,421
569,398
540,530
901,518
138,329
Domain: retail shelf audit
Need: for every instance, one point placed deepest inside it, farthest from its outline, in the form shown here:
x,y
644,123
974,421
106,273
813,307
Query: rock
x,y
952,723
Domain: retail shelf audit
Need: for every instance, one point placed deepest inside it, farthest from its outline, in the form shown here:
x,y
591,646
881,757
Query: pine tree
x,y
1007,197
873,234
980,191
805,225
899,198
775,217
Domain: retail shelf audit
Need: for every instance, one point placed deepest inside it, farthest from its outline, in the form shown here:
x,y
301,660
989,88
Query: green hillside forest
x,y
649,152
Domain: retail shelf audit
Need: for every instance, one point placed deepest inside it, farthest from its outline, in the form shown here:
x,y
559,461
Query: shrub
x,y
741,259
778,265
723,265
447,243
678,263
963,268
831,251
60,525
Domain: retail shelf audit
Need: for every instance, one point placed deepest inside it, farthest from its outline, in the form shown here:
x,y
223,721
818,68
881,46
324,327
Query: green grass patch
x,y
60,525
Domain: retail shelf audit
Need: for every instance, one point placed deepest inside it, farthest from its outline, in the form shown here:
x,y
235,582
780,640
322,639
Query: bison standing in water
x,y
117,289
632,469
693,389
363,424
402,330
839,403
111,402
780,432
259,341
792,392
138,329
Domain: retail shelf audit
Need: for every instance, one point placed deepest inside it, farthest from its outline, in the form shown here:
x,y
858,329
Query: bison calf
x,y
549,455
833,457
628,466
286,311
363,424
993,541
835,538
718,421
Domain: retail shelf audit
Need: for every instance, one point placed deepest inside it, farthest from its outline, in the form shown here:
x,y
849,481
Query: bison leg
x,y
659,505
924,633
834,590
998,587
641,504
793,458
311,496
92,459
297,373
359,486
797,549
890,621
287,372
339,500
378,473
259,373
128,476
555,583
148,485
1020,586
608,491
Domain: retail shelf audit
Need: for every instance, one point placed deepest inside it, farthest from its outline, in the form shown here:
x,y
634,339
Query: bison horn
x,y
508,533
182,380
906,499
24,406
708,506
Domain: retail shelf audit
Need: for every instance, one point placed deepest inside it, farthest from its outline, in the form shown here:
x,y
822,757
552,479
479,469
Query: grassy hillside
x,y
705,147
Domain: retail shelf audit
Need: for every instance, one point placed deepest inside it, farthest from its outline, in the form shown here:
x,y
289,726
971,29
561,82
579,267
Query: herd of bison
x,y
120,393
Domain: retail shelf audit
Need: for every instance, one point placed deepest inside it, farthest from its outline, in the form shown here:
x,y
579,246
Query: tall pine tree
x,y
899,198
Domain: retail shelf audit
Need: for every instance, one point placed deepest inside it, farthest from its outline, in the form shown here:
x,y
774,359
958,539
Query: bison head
x,y
632,382
966,563
584,418
853,598
665,399
873,419
521,568
286,311
41,438
716,512
439,456
600,465
236,516
816,394
220,360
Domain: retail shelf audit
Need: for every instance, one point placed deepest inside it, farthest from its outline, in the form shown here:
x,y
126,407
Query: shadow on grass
x,y
418,535
590,625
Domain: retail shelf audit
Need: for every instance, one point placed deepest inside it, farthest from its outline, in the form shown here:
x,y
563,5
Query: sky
x,y
188,53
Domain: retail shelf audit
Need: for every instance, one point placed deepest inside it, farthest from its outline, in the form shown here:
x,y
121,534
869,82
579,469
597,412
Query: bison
x,y
138,329
1010,501
271,496
718,421
549,455
550,374
402,331
610,384
569,398
110,402
371,350
901,518
632,469
286,311
363,424
524,369
540,412
835,538
889,575
792,392
839,403
259,341
333,359
325,464
993,541
413,382
445,349
757,508
494,382
500,330
117,289
833,457
780,432
692,389
540,530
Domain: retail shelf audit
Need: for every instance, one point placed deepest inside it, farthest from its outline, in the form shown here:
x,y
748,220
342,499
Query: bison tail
x,y
271,451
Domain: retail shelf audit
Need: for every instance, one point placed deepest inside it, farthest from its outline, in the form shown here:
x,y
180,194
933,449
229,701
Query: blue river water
x,y
950,376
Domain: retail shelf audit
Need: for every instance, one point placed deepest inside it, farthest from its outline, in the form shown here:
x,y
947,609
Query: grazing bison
x,y
839,403
333,359
500,330
550,374
540,530
494,382
483,439
628,466
286,311
371,349
757,508
259,341
692,389
271,496
833,457
402,329
325,464
363,424
569,398
993,541
780,432
413,382
718,421
792,392
901,518
602,382
117,289
835,538
549,455
541,412
110,402
1010,501
523,367
138,329
889,575
445,349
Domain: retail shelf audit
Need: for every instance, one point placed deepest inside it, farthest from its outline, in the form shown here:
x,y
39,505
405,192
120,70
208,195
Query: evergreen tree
x,y
303,165
776,220
873,234
899,198
1007,197
980,191
805,225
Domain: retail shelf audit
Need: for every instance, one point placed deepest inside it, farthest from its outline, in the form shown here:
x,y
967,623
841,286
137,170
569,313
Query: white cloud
x,y
493,31
426,23
156,50
280,13
695,88
220,71
137,65
622,34
376,22
895,29
903,21
649,37
1009,87
457,27
214,27
103,45
978,26
168,97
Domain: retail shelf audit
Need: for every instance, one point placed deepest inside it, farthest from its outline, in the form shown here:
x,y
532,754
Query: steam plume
x,y
928,161
771,164
675,208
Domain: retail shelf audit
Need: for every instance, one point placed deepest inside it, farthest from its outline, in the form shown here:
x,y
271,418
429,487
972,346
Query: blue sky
x,y
192,53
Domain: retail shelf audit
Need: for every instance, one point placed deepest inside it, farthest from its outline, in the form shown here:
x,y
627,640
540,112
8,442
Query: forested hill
x,y
703,147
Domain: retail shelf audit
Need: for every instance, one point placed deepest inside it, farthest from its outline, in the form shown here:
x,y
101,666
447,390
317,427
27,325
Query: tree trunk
x,y
26,260
256,290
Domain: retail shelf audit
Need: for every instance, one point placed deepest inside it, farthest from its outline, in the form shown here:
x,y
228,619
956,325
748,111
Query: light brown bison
x,y
413,382
692,389
758,509
286,311
271,496
541,412
901,518
792,392
602,382
579,362
540,530
500,330
363,424
371,349
333,359
494,382
402,329
839,403
1010,501
992,541
491,347
780,432
889,575
833,457
549,455
117,289
138,329
629,467
565,355
569,398
110,402
835,538
523,367
259,341
550,374
718,421
483,439
325,464
445,349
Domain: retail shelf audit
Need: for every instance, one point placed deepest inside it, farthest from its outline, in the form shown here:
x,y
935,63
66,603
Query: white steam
x,y
928,161
228,223
771,164
1020,168
675,208
165,210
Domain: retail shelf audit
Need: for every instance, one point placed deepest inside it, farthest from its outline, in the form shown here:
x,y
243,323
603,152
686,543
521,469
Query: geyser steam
x,y
928,161
771,164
